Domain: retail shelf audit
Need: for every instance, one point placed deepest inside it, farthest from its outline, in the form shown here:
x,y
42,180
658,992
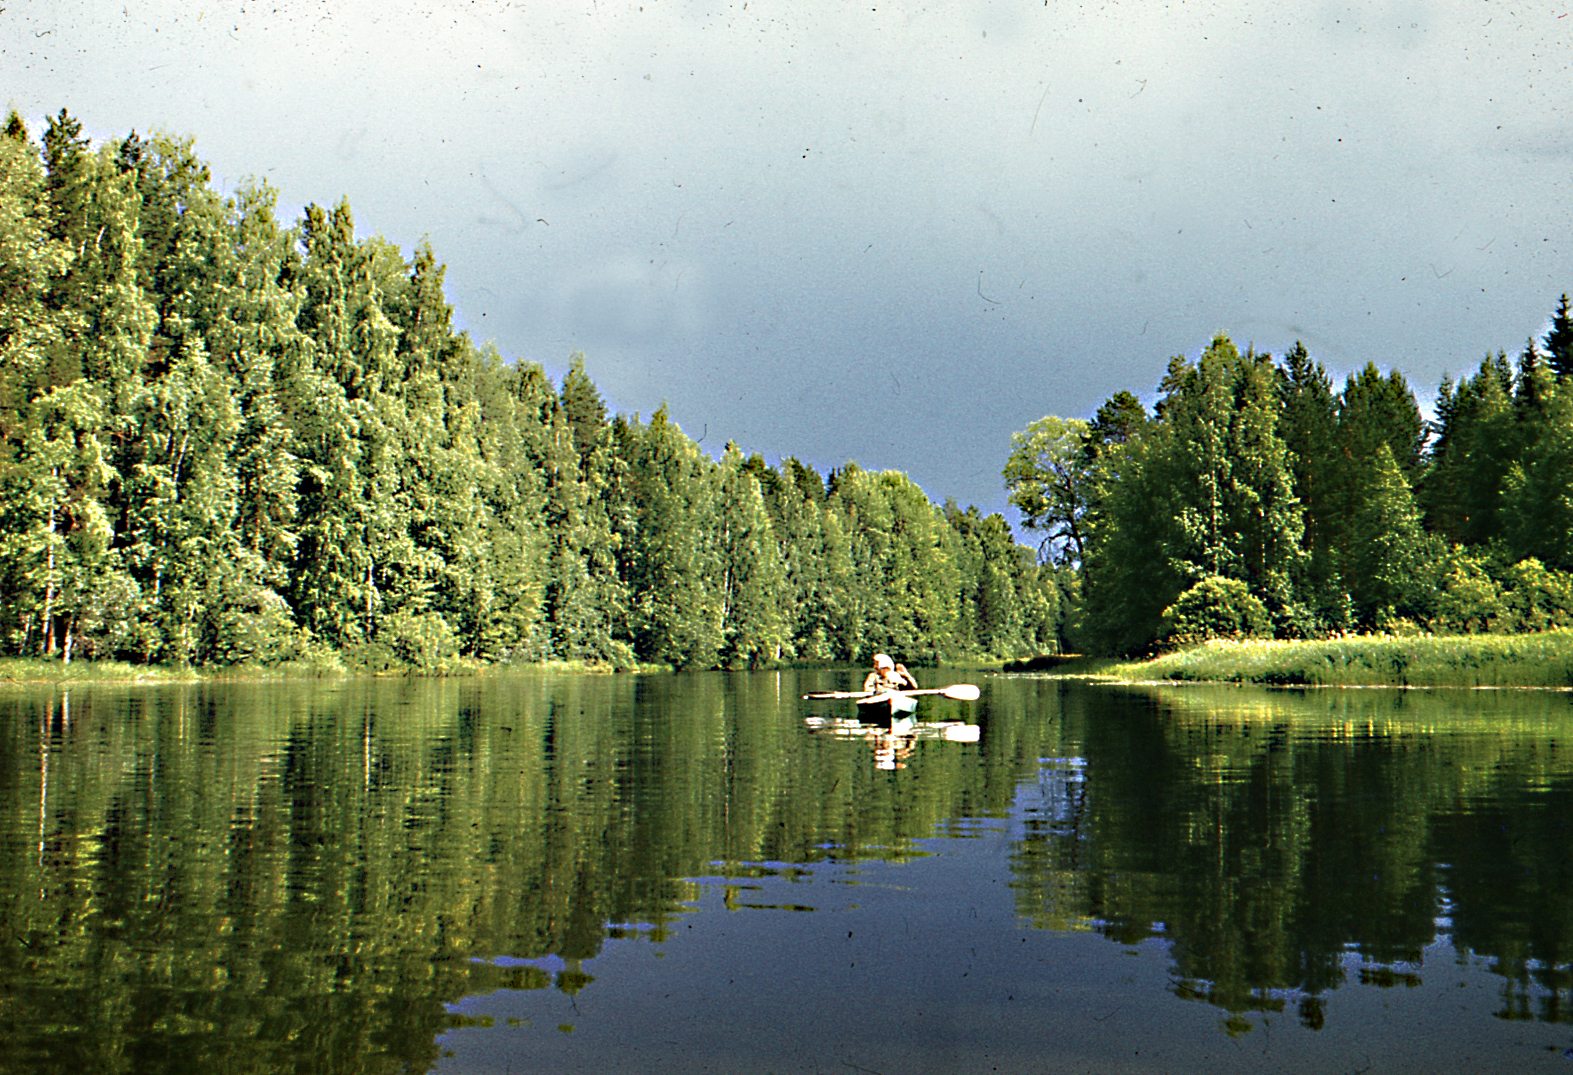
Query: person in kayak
x,y
888,676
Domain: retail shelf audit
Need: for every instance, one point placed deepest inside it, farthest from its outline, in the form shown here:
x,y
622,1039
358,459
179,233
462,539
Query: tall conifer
x,y
1559,340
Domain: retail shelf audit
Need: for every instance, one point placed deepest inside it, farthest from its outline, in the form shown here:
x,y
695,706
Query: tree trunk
x,y
49,586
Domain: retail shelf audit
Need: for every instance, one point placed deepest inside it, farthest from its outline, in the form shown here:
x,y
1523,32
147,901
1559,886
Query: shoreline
x,y
39,671
1537,661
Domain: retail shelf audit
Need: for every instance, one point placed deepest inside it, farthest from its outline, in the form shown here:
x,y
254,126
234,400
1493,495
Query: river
x,y
687,873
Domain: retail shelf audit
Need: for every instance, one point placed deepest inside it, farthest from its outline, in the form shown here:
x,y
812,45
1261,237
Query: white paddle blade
x,y
962,733
964,692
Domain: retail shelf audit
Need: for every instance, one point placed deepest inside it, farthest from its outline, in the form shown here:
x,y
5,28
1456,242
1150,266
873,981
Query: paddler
x,y
888,676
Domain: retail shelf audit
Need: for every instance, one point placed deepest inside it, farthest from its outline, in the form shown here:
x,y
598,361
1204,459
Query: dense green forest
x,y
230,441
1255,500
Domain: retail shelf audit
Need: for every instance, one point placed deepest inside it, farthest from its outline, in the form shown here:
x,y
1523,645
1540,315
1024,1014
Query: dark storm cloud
x,y
890,233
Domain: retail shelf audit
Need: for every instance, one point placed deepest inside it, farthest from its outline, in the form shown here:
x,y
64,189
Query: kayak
x,y
885,707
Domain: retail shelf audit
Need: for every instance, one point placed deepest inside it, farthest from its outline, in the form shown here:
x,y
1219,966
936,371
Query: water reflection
x,y
309,877
895,741
1282,844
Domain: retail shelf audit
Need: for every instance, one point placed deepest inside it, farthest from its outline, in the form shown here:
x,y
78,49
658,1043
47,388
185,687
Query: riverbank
x,y
1542,660
31,671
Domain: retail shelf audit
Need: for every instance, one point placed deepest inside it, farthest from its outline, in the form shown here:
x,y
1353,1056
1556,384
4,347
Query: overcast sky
x,y
887,232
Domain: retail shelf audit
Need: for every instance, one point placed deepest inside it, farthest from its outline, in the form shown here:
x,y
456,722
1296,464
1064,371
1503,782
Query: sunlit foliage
x,y
224,440
1334,511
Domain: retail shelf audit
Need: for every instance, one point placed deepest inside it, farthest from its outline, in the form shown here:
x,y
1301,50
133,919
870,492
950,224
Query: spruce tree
x,y
1309,426
60,569
1537,491
507,618
1375,410
583,407
1117,420
1558,341
577,624
1131,572
1477,440
31,490
905,587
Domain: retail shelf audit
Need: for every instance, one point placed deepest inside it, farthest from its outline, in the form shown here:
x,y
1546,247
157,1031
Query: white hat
x,y
883,659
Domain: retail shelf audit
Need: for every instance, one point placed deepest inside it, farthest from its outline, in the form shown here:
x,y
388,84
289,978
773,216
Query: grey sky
x,y
886,232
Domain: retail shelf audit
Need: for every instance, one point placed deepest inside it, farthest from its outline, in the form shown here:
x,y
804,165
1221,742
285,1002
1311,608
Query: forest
x,y
1256,501
229,442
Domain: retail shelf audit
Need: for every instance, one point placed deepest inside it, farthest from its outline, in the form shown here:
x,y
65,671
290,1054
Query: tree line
x,y
1256,500
228,441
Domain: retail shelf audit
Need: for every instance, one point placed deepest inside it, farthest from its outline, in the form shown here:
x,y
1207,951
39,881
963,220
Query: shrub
x,y
424,641
1215,607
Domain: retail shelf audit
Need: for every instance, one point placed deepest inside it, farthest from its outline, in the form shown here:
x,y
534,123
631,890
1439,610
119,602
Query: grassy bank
x,y
32,671
1543,660
1530,660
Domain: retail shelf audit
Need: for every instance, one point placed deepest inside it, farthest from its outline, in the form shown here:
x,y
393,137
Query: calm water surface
x,y
704,873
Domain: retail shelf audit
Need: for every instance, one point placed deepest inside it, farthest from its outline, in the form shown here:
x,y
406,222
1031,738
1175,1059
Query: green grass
x,y
32,671
1529,660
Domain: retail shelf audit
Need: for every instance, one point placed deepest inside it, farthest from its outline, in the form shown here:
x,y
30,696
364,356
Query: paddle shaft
x,y
964,691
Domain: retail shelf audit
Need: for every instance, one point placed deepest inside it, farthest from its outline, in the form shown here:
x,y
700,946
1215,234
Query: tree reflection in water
x,y
308,876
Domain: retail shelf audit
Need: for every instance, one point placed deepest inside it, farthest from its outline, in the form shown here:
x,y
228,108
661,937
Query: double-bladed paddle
x,y
963,692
